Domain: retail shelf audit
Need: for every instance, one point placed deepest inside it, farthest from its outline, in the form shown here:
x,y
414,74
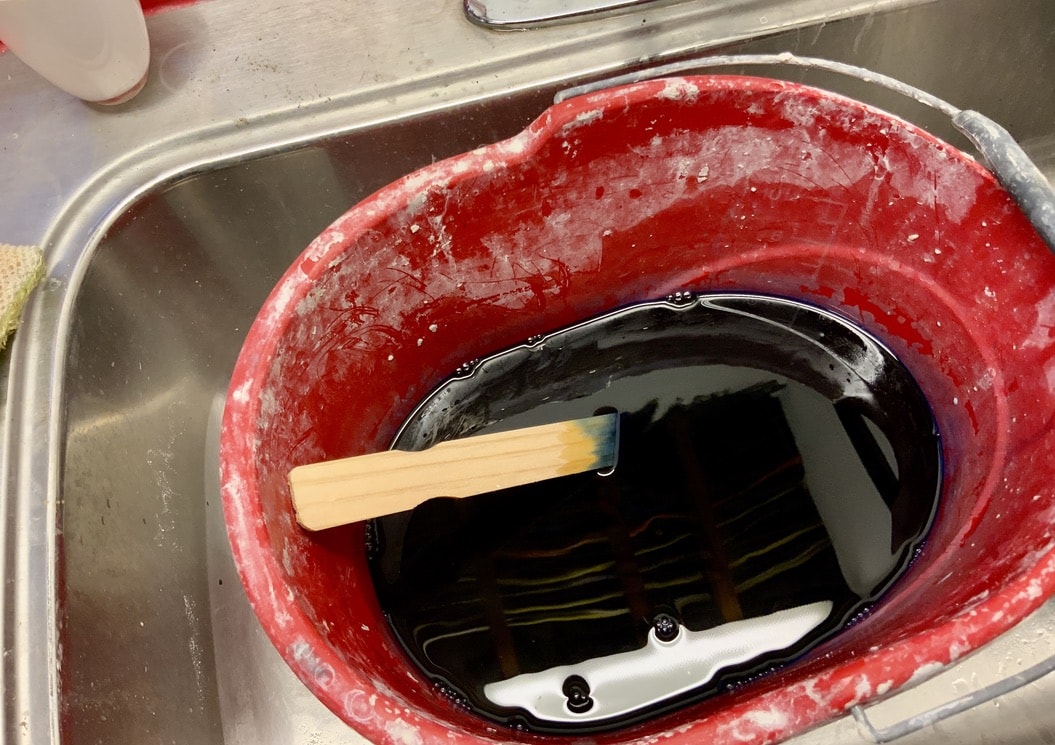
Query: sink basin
x,y
126,621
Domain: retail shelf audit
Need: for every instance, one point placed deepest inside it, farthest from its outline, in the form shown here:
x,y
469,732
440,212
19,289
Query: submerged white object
x,y
97,50
620,684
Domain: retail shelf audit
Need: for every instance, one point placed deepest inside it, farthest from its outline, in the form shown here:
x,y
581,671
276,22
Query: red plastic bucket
x,y
699,184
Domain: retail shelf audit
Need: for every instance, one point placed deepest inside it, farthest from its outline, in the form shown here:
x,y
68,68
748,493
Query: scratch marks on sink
x,y
194,646
162,462
865,28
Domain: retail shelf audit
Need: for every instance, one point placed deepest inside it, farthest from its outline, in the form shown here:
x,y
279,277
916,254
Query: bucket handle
x,y
951,708
1002,154
1024,182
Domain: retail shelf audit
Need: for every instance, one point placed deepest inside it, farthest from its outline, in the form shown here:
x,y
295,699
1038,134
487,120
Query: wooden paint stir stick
x,y
348,490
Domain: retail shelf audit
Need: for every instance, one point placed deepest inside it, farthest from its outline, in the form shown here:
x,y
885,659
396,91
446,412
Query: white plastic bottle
x,y
97,50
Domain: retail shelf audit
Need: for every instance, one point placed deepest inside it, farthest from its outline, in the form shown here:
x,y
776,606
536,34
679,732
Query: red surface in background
x,y
149,6
152,5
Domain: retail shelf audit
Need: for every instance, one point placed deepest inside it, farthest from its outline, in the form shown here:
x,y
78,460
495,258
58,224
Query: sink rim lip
x,y
1018,597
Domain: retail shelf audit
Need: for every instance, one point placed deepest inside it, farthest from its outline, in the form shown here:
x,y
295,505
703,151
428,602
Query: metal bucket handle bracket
x,y
951,708
1015,171
1001,153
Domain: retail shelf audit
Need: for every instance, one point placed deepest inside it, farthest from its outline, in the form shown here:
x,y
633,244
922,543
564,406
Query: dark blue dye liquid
x,y
773,457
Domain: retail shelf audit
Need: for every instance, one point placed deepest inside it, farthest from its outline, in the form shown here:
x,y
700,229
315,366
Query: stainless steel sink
x,y
123,617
